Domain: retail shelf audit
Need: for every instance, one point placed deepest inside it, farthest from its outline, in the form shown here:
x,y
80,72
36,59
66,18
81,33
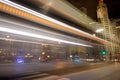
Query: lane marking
x,y
64,79
33,76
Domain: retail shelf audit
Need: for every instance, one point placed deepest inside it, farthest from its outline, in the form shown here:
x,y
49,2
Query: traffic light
x,y
104,52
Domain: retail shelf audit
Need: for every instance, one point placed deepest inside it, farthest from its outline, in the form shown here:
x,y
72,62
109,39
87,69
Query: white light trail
x,y
10,3
2,29
23,41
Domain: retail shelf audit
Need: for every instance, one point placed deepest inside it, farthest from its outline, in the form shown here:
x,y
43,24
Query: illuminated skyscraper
x,y
102,14
103,18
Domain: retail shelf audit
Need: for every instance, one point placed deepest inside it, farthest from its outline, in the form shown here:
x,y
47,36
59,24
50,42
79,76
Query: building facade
x,y
110,33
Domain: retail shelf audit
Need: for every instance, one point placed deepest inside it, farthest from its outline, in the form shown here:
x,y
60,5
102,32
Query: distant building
x,y
116,31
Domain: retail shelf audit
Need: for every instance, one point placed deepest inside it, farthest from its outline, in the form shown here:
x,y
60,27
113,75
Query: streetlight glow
x,y
99,30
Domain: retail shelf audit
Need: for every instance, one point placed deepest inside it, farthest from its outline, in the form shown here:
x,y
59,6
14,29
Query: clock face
x,y
102,12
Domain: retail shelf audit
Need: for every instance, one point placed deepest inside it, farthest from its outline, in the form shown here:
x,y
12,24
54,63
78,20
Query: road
x,y
21,69
111,72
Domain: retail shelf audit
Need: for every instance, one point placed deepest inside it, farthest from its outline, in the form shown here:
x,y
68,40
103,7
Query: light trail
x,y
28,34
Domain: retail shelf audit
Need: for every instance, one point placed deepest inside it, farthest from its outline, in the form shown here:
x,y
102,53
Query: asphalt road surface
x,y
21,69
111,72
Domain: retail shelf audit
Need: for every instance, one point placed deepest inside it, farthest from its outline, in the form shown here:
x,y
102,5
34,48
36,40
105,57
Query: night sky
x,y
91,6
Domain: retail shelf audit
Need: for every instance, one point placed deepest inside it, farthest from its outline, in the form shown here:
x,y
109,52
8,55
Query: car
x,y
77,59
